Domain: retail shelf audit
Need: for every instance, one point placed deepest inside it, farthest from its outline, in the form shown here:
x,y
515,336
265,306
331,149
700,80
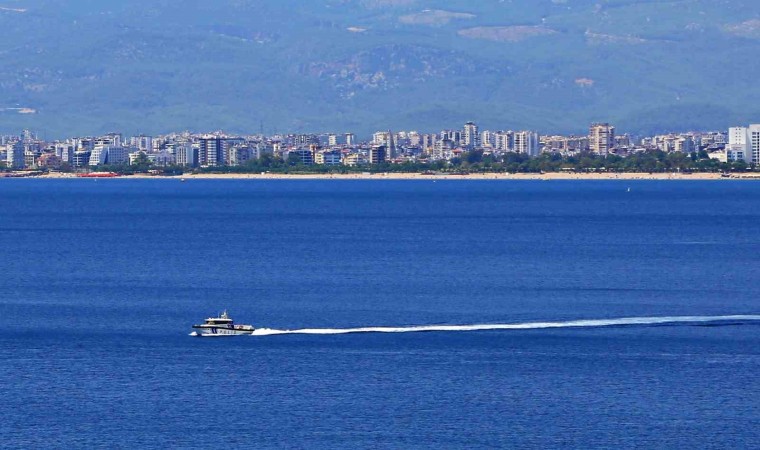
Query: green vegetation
x,y
654,161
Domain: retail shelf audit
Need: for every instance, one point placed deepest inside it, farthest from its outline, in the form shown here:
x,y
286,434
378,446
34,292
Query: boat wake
x,y
628,321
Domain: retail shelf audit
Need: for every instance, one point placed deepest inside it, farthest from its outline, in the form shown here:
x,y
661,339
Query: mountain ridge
x,y
87,67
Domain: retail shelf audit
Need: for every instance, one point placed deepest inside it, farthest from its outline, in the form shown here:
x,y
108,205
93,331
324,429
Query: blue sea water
x,y
101,280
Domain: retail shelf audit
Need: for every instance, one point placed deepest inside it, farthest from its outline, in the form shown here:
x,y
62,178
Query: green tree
x,y
474,156
141,163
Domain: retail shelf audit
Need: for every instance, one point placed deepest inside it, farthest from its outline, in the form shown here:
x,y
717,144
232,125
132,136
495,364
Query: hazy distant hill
x,y
86,66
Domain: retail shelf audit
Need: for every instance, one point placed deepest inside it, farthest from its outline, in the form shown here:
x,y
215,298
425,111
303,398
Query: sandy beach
x,y
419,176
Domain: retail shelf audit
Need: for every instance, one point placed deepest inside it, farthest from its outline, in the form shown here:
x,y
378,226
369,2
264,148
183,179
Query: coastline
x,y
419,176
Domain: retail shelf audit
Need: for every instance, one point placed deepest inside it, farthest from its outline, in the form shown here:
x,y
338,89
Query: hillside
x,y
87,66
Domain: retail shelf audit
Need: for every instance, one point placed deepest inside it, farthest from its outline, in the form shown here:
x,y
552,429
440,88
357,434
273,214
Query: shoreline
x,y
419,176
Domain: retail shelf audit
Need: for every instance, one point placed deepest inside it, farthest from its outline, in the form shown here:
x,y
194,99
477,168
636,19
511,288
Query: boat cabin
x,y
222,320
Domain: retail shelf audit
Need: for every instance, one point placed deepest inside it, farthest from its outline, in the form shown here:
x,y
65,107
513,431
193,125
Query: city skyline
x,y
218,149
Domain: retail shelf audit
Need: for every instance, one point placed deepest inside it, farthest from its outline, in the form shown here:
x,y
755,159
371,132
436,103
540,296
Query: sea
x,y
392,314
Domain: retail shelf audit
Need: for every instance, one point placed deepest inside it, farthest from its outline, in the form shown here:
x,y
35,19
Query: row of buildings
x,y
220,149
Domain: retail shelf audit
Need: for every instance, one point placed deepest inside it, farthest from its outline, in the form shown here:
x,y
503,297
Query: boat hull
x,y
201,331
205,335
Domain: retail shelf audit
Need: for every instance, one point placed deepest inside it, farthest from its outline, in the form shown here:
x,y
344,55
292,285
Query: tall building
x,y
381,138
305,140
210,151
109,154
471,136
377,154
527,142
98,155
30,159
109,139
754,142
738,136
601,138
332,140
683,144
64,151
454,136
738,147
428,142
142,142
390,146
504,141
239,154
350,139
443,149
186,154
488,139
15,158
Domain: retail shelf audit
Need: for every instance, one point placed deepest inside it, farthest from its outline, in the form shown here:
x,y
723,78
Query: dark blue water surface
x,y
101,280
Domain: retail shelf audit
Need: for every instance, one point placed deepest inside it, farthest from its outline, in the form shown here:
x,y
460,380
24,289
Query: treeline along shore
x,y
473,164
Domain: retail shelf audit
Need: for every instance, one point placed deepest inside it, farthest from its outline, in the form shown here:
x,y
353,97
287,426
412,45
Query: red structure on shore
x,y
98,175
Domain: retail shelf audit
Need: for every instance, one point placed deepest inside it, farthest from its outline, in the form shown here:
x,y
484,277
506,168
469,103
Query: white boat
x,y
221,326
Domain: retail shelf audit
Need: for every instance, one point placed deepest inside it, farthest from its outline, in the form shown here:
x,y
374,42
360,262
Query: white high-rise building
x,y
488,139
110,154
738,136
739,146
108,139
64,151
142,142
504,141
471,136
15,158
98,155
601,138
381,138
754,142
186,154
684,144
744,143
454,136
527,142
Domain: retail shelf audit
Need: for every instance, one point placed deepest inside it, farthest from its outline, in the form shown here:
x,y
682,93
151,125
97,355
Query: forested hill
x,y
150,66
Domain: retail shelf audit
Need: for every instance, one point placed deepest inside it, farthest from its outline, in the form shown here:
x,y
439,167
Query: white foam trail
x,y
517,326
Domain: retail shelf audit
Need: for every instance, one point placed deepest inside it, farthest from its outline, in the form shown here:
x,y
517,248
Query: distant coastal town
x,y
468,150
